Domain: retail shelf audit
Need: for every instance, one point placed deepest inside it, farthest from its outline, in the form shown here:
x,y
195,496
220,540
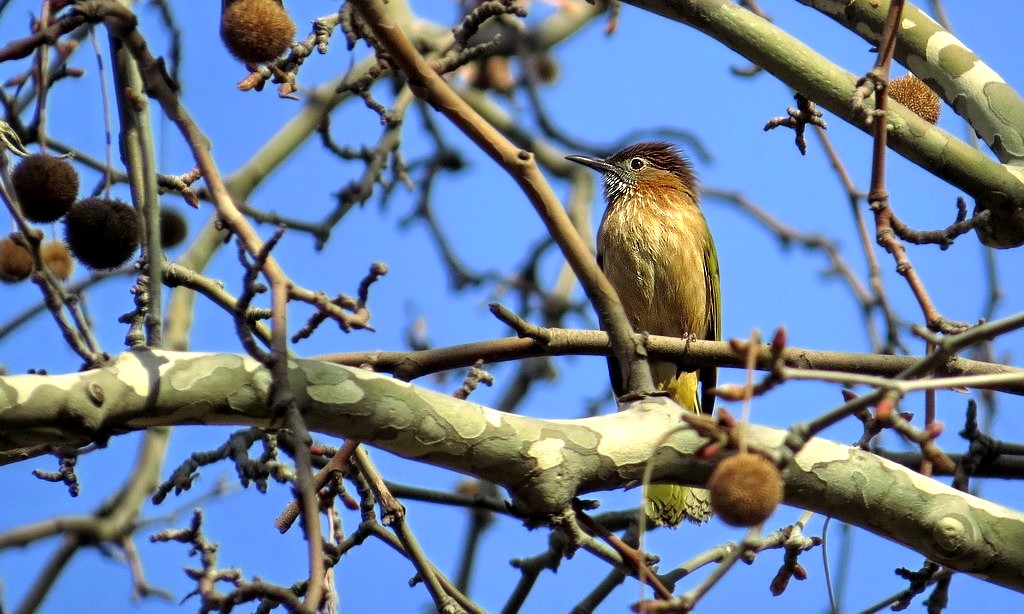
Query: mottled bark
x,y
542,463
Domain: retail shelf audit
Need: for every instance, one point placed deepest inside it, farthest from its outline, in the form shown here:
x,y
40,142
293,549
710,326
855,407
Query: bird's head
x,y
649,169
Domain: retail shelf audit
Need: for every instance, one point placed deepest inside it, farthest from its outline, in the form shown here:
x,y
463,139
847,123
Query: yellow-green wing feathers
x,y
709,375
668,504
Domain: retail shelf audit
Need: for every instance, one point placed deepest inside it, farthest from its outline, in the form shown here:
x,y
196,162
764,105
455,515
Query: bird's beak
x,y
597,164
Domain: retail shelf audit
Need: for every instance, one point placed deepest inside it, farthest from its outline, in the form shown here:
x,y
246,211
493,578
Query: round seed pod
x,y
256,31
46,187
547,68
102,233
15,261
173,228
745,489
494,73
912,93
58,259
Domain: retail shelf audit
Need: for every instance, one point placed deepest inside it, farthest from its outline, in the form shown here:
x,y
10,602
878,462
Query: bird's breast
x,y
654,257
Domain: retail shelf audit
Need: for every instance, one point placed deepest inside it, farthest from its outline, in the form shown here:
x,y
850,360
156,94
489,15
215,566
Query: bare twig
x,y
520,164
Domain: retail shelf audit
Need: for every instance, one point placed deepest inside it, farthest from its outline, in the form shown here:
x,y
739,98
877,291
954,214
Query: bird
x,y
656,249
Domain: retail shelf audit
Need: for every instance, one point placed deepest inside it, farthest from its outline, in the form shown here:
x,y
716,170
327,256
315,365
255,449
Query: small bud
x,y
799,572
709,450
745,489
66,46
933,429
190,198
883,411
349,502
779,341
780,582
725,418
739,346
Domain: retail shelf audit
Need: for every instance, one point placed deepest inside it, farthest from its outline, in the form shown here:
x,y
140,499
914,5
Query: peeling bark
x,y
542,463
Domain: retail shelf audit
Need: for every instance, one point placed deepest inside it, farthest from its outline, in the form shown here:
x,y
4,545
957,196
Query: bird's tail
x,y
668,504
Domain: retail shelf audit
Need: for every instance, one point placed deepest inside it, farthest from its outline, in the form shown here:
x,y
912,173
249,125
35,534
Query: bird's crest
x,y
659,154
645,172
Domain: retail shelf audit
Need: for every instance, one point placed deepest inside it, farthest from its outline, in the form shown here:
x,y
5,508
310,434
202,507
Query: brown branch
x,y
521,166
945,348
408,366
333,467
77,331
371,485
633,558
178,275
122,24
788,235
335,308
876,81
880,299
22,47
483,11
943,237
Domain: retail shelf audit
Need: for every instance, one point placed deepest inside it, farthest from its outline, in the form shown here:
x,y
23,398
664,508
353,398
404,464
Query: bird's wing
x,y
713,332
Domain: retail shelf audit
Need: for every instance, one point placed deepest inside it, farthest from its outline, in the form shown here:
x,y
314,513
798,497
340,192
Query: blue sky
x,y
651,73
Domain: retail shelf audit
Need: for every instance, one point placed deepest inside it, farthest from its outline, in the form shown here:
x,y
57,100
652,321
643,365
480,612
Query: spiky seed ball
x,y
745,489
173,228
58,259
15,261
256,31
102,233
46,187
912,93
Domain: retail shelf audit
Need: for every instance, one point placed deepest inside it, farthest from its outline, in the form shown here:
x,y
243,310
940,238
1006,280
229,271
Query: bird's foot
x,y
639,396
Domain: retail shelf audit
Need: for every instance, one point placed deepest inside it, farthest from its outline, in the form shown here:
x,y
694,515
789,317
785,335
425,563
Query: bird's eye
x,y
636,163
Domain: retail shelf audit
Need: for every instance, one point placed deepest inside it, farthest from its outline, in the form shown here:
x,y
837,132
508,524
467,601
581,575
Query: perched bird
x,y
655,247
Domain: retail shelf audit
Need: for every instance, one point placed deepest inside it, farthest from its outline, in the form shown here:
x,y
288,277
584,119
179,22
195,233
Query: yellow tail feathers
x,y
668,504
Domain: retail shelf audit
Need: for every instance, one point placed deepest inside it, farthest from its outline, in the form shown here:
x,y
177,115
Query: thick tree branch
x,y
996,187
544,464
979,94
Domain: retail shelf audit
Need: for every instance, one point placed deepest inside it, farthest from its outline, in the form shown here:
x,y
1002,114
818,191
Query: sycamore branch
x,y
996,187
980,95
543,464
